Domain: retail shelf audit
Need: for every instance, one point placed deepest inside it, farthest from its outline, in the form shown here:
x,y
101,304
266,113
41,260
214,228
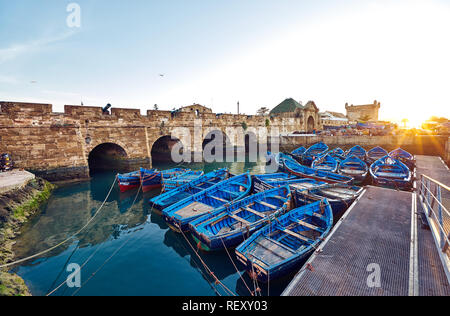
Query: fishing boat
x,y
299,154
227,226
180,180
391,173
338,154
129,181
320,175
206,181
340,196
281,247
338,151
354,167
326,163
179,215
299,151
357,151
375,154
152,179
405,157
313,152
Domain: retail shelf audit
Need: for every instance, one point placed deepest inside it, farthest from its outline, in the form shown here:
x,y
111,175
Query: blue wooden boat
x,y
375,154
327,163
405,157
281,247
299,154
179,215
354,167
264,178
299,151
152,179
195,186
313,152
320,175
340,196
129,181
227,226
180,180
338,154
357,151
391,173
338,151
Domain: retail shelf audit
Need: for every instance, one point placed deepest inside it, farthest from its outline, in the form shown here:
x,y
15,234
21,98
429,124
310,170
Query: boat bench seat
x,y
219,199
308,225
268,205
229,192
255,212
239,219
298,236
318,215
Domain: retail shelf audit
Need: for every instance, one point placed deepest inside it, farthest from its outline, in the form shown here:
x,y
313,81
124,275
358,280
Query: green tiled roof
x,y
288,105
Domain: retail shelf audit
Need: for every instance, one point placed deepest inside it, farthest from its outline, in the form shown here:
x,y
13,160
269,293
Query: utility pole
x,y
238,108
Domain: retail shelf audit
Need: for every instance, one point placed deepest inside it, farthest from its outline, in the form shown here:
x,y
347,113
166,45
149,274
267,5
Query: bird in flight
x,y
161,75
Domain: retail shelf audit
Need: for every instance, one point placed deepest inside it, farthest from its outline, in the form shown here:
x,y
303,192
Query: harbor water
x,y
127,249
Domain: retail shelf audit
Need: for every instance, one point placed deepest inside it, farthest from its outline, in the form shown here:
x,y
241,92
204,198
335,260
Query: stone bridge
x,y
59,146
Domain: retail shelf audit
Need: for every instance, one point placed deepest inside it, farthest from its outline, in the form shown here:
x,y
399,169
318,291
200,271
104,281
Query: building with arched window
x,y
307,114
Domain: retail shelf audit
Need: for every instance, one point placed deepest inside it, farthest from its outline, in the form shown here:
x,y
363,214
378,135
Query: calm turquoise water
x,y
127,250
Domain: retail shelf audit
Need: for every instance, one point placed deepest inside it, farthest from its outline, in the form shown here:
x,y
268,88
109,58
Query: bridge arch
x,y
216,141
107,156
161,149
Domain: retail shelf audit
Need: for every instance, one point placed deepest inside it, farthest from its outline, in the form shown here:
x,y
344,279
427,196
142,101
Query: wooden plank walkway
x,y
378,239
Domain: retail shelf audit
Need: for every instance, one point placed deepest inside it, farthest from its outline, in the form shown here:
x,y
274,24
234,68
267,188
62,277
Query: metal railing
x,y
435,198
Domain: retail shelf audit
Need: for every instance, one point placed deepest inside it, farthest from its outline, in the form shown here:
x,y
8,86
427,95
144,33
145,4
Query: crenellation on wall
x,y
126,113
83,111
24,109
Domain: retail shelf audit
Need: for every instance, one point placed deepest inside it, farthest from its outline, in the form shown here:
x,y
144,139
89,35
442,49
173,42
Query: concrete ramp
x,y
13,180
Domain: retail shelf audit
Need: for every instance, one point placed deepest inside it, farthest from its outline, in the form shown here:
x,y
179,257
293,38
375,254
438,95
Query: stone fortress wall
x,y
57,145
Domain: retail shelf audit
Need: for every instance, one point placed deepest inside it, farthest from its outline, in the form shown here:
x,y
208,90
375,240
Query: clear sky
x,y
218,52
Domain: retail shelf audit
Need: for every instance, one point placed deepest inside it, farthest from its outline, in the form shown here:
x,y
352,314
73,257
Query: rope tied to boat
x,y
208,270
95,252
68,239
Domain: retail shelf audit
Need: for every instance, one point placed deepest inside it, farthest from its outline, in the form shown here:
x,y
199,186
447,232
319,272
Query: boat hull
x,y
128,182
263,276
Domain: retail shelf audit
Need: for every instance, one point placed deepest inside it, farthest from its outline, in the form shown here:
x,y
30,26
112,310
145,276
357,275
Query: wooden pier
x,y
382,246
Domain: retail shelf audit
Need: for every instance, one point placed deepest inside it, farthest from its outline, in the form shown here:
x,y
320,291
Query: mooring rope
x,y
206,266
96,250
66,240
237,270
81,267
103,264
